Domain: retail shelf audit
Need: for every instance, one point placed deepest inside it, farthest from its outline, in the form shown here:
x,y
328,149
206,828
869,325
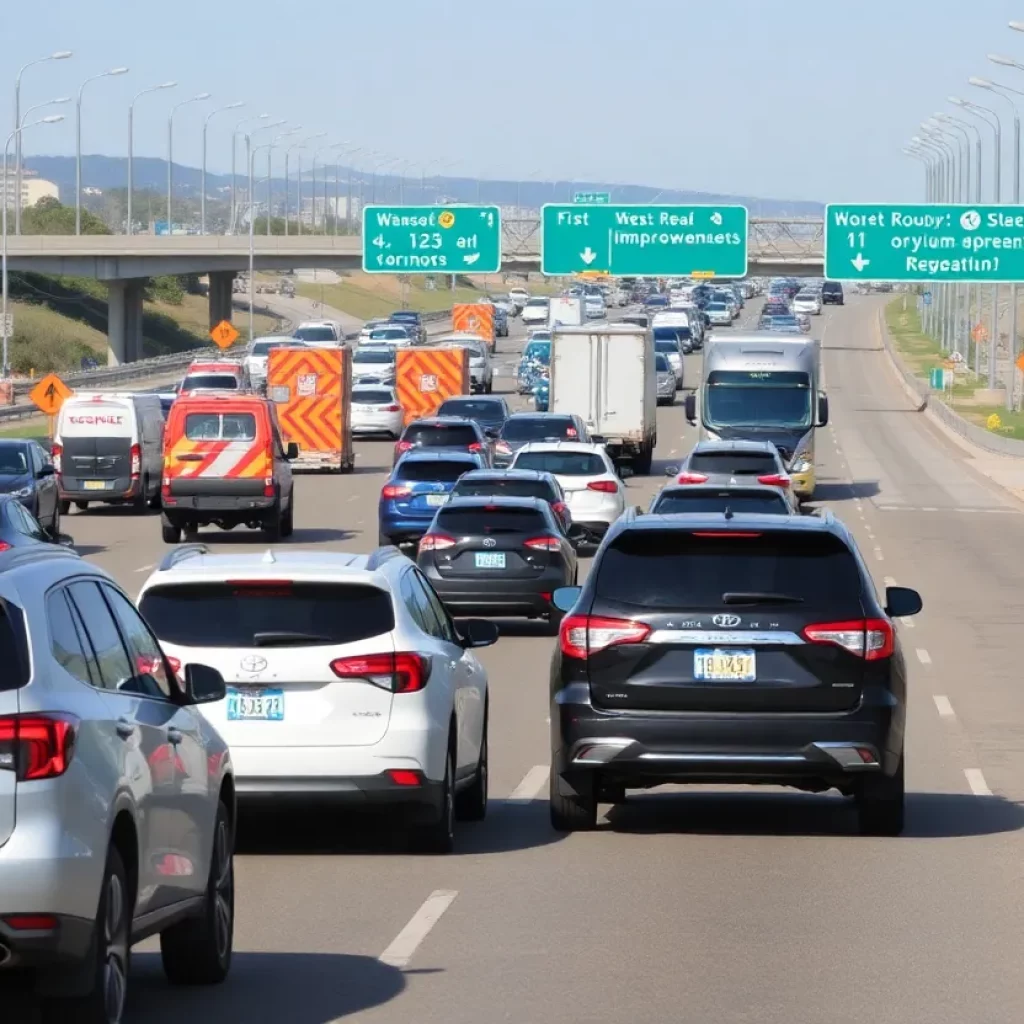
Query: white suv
x,y
117,807
347,679
593,491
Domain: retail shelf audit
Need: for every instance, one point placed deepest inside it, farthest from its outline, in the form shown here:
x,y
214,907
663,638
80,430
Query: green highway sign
x,y
918,242
427,239
640,240
592,197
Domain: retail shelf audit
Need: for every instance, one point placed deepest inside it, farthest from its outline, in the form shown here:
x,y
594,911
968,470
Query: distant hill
x,y
108,172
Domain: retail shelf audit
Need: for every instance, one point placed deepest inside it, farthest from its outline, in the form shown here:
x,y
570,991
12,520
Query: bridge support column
x,y
124,321
221,295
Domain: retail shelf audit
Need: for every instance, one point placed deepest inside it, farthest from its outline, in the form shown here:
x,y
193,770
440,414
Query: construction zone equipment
x,y
425,377
312,390
474,318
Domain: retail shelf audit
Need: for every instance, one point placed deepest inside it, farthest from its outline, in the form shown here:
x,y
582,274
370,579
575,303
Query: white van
x,y
108,448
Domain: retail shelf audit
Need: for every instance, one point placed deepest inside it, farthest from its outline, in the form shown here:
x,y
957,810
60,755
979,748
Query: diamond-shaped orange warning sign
x,y
50,394
224,334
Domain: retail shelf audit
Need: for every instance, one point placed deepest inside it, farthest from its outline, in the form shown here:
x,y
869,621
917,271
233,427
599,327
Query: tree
x,y
50,217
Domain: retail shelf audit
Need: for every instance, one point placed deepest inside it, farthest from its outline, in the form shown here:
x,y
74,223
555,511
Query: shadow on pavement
x,y
266,988
928,815
533,628
837,491
318,535
244,537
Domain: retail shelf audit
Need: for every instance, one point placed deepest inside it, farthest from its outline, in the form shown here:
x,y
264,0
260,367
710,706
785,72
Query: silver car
x,y
734,463
124,794
257,356
720,314
481,371
373,364
666,378
376,410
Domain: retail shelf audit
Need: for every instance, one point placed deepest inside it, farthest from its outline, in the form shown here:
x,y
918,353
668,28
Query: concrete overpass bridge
x,y
777,247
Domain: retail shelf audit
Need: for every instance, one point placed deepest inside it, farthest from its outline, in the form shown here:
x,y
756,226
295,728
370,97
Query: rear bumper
x,y
66,945
640,750
497,596
117,490
215,504
403,528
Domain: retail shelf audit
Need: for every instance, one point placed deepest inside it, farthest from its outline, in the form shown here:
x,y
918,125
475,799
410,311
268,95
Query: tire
x,y
384,541
140,503
554,621
198,951
81,505
644,459
111,953
471,803
439,836
880,800
65,507
273,525
156,502
571,813
54,530
170,532
288,519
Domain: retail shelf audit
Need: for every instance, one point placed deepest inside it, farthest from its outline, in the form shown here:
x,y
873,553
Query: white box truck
x,y
606,374
568,310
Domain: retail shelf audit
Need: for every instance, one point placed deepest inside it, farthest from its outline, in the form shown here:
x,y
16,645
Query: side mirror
x,y
902,601
46,471
203,685
478,633
690,408
822,409
492,432
564,598
292,452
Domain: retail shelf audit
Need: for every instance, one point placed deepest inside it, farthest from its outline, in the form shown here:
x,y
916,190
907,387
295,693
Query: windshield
x,y
220,381
661,363
366,355
13,460
374,396
436,470
689,500
505,487
537,428
716,307
766,399
389,334
262,348
537,302
562,463
316,334
667,346
473,409
448,435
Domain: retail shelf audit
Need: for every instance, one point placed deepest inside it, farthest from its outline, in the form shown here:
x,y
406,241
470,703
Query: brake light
x,y
400,673
31,922
37,746
579,636
136,453
870,639
268,487
56,451
503,447
260,588
691,478
404,446
391,408
4,546
175,664
405,777
476,446
774,480
395,491
543,543
560,508
604,486
570,432
436,542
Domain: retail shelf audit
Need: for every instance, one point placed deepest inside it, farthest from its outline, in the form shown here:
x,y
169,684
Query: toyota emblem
x,y
490,542
253,663
726,621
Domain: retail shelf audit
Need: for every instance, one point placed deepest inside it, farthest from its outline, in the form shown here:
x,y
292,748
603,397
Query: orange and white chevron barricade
x,y
474,318
425,377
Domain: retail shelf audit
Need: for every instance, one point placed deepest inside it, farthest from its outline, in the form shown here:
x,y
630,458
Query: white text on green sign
x,y
924,242
426,239
592,197
642,240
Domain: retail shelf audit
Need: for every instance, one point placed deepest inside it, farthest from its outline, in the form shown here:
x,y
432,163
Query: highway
x,y
695,905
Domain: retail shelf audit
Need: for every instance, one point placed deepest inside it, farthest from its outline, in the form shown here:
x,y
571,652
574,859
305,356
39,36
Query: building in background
x,y
33,188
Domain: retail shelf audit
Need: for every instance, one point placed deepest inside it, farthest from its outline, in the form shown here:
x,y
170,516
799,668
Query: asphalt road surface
x,y
698,905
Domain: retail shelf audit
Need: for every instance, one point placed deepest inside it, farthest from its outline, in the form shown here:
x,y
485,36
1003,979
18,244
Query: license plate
x,y
724,666
437,499
255,705
490,560
95,485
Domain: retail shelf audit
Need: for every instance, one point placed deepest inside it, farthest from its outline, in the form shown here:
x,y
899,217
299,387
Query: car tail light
x,y
399,673
570,432
405,777
268,487
395,491
136,455
503,447
870,639
37,746
57,451
605,486
691,478
774,480
391,408
4,546
404,446
582,635
560,508
436,542
175,664
476,446
543,543
30,922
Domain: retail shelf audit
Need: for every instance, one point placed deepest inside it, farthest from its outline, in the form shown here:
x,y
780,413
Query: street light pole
x,y
202,187
170,150
298,183
248,159
131,143
78,142
270,176
234,179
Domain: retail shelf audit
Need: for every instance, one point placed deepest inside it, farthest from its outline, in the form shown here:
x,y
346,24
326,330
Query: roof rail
x,y
382,555
180,554
17,556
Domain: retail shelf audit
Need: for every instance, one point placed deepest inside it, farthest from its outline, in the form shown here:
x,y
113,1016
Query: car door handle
x,y
125,728
174,735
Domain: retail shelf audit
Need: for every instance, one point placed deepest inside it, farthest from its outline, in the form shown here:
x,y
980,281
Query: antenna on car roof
x,y
728,512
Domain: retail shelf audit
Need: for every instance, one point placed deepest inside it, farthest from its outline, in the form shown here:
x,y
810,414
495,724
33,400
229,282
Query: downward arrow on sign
x,y
859,263
588,255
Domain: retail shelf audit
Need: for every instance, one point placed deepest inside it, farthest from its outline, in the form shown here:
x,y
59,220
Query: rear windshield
x,y
416,471
221,381
446,436
734,464
368,356
278,614
220,426
666,345
487,412
562,463
831,286
13,651
537,302
689,500
389,334
380,397
508,488
408,317
673,569
316,334
661,364
484,520
537,428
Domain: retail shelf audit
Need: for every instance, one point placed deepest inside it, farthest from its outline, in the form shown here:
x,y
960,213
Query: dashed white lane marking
x,y
889,581
354,497
976,780
943,706
878,554
408,940
928,508
923,656
908,622
531,785
144,568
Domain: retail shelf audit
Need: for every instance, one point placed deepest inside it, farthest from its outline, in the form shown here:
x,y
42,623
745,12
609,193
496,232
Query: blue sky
x,y
795,99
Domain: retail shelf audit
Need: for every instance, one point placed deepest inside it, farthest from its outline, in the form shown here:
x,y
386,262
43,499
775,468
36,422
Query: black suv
x,y
443,432
729,649
832,293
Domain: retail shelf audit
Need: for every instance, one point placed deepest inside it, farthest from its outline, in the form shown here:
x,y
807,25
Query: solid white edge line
x,y
976,780
144,568
531,785
923,656
408,940
943,706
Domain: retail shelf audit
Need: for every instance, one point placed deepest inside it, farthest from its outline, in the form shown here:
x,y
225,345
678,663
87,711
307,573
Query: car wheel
x,y
439,836
288,519
105,1001
273,525
65,507
140,502
81,505
471,803
571,813
880,800
170,532
197,951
